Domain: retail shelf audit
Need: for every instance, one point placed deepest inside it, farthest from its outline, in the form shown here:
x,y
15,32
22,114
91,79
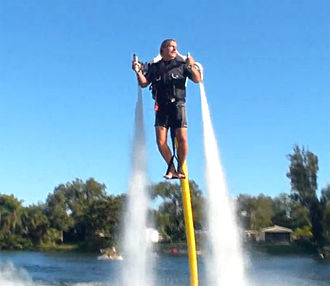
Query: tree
x,y
282,208
262,213
12,227
169,217
80,197
299,216
243,209
325,201
77,211
57,210
37,223
325,195
303,175
103,220
255,212
11,212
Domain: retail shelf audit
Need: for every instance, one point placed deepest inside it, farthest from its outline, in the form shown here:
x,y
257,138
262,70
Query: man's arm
x,y
195,73
137,67
143,81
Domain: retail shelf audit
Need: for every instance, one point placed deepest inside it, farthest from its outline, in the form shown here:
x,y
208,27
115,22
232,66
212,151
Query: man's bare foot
x,y
180,174
171,174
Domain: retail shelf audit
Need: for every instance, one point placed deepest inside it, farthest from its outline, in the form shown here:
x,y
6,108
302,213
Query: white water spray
x,y
11,276
136,264
225,264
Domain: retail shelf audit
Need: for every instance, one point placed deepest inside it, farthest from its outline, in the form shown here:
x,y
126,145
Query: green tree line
x,y
303,210
76,212
81,213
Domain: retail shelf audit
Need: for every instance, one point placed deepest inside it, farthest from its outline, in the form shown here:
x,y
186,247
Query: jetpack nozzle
x,y
136,61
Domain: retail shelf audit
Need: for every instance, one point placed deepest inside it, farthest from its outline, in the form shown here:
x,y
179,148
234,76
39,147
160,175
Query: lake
x,y
28,268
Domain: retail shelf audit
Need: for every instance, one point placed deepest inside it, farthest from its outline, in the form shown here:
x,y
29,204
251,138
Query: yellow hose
x,y
189,223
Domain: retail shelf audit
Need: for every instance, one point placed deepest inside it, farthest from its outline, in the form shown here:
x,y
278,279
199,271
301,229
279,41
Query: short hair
x,y
165,43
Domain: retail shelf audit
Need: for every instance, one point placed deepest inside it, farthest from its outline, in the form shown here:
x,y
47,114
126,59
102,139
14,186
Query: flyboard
x,y
186,199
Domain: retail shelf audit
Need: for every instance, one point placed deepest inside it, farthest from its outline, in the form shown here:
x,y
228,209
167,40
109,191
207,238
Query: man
x,y
168,78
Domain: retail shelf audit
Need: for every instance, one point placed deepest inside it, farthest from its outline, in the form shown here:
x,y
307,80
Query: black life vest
x,y
168,80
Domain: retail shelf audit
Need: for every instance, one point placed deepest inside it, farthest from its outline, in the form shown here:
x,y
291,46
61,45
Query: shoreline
x,y
180,249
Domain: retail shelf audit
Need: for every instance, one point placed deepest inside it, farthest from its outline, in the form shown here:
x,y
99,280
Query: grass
x,y
61,247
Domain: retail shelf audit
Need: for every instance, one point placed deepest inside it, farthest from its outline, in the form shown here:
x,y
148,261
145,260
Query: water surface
x,y
26,268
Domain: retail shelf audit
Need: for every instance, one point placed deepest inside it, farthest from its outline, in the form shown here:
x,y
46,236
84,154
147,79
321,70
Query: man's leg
x,y
164,149
182,138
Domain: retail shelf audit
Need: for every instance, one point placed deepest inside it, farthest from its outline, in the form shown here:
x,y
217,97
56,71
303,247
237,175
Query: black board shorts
x,y
171,114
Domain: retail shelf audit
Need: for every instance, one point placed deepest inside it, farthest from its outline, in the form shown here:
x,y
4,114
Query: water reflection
x,y
37,268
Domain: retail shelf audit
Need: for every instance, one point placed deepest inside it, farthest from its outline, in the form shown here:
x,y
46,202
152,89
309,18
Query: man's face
x,y
169,52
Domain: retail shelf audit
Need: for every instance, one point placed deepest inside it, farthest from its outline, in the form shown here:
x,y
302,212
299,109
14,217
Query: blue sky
x,y
68,93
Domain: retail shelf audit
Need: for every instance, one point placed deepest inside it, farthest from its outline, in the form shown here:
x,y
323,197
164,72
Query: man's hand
x,y
136,66
196,75
190,61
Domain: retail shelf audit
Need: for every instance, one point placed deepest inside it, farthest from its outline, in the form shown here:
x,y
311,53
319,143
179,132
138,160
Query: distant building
x,y
276,234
